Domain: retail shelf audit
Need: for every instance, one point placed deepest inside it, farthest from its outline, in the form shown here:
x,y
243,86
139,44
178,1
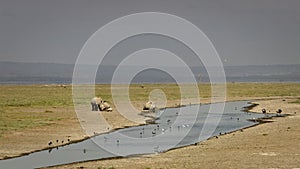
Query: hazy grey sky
x,y
244,32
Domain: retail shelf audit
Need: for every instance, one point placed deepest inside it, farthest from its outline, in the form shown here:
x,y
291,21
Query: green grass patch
x,y
106,168
25,106
262,89
34,95
18,118
51,96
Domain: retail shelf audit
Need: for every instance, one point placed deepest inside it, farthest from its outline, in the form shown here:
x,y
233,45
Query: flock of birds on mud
x,y
57,142
142,132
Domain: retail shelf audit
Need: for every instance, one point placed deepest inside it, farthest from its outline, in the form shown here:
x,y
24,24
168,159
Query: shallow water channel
x,y
175,127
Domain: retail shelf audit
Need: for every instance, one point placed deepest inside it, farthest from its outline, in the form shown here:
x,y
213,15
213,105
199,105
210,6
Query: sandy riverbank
x,y
269,145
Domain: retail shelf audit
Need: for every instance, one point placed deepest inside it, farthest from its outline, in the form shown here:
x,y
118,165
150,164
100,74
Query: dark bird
x,y
50,143
56,141
62,141
154,132
279,111
264,111
69,140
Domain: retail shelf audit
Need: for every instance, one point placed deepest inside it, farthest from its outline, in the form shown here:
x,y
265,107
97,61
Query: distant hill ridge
x,y
16,72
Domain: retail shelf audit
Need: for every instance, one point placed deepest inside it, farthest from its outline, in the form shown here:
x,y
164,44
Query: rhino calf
x,y
105,106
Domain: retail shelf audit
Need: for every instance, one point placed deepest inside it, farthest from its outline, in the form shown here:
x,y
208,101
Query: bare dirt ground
x,y
269,145
26,140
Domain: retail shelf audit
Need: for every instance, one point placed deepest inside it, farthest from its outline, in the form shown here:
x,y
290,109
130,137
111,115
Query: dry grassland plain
x,y
31,115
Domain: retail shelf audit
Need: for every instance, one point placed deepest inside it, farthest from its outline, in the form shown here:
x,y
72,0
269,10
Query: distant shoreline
x,y
54,84
51,73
